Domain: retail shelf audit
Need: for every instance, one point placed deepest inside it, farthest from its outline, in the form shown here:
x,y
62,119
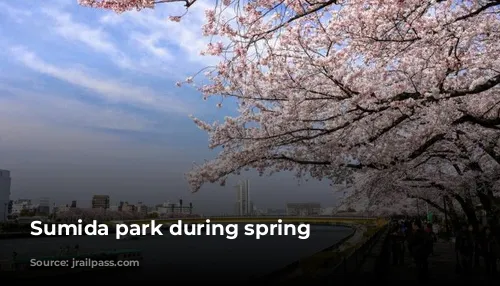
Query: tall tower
x,y
243,204
5,181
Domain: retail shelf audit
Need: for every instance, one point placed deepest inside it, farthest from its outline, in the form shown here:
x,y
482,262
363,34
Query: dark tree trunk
x,y
452,213
488,201
468,208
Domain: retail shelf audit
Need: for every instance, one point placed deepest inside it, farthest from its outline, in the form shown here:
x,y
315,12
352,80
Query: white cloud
x,y
185,36
95,38
111,90
150,43
17,15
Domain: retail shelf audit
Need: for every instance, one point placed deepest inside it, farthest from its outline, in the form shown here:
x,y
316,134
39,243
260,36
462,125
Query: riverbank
x,y
295,268
319,265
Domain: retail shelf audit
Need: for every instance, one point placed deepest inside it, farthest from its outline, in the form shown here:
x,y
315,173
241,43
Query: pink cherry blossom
x,y
175,18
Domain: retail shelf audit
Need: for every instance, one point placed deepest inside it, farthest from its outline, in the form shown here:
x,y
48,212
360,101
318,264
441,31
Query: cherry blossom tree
x,y
461,166
325,86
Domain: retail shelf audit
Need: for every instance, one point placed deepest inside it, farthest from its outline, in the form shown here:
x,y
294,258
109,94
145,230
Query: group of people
x,y
476,248
418,239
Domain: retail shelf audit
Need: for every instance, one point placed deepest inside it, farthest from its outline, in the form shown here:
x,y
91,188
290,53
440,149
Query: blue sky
x,y
88,104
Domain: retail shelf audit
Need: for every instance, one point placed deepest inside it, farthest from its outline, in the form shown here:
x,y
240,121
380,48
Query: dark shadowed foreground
x,y
188,258
442,269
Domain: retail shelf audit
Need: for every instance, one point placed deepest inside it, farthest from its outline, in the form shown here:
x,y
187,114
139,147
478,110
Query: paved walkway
x,y
353,240
442,268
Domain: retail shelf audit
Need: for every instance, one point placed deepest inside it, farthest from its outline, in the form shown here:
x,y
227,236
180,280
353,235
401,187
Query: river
x,y
189,257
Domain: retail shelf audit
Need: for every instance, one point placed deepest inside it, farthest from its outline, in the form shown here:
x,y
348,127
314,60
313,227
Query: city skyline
x,y
243,205
113,203
28,207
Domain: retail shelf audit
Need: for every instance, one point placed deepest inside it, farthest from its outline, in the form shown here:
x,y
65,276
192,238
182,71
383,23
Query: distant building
x,y
115,208
172,208
42,210
126,207
142,208
243,205
239,212
258,212
43,207
303,209
5,182
275,212
120,206
100,202
327,211
62,208
21,206
44,202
